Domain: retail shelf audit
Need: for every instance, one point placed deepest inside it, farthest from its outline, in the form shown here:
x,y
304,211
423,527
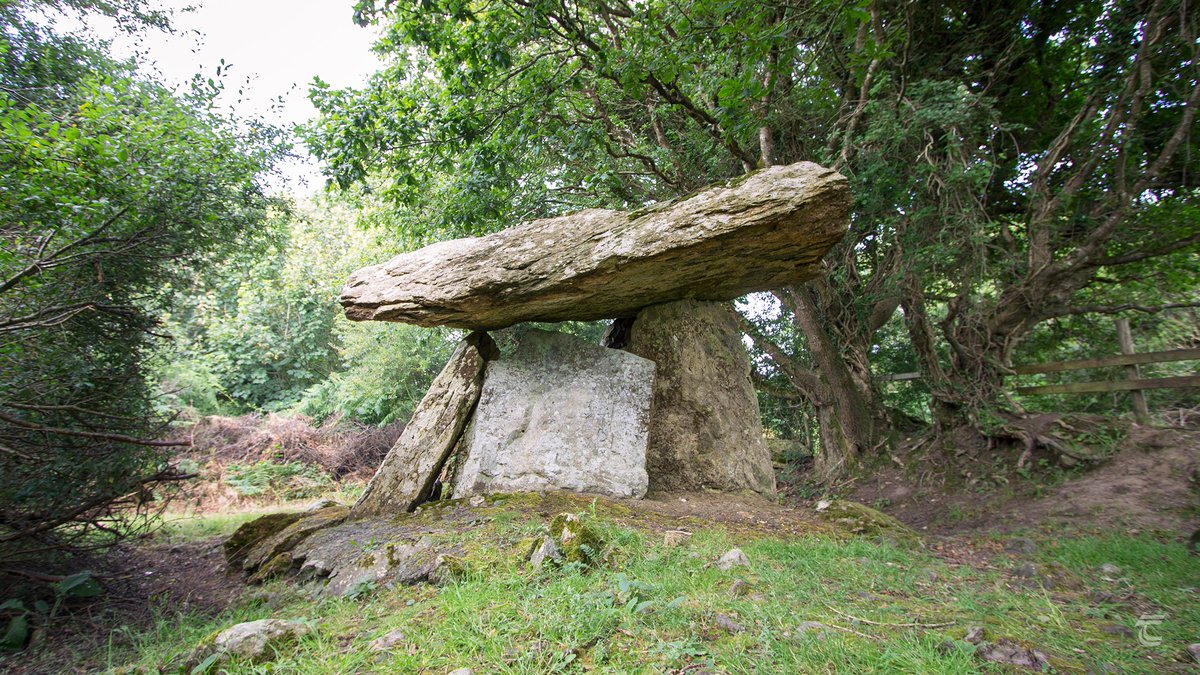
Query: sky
x,y
274,48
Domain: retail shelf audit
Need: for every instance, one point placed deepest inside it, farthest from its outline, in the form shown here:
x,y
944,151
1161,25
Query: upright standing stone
x,y
406,477
560,414
706,431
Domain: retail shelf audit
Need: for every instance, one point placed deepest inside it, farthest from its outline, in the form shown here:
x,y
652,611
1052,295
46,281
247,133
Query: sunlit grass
x,y
179,526
650,608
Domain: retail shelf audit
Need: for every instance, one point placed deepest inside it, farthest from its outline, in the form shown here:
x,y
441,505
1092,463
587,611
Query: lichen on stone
x,y
863,520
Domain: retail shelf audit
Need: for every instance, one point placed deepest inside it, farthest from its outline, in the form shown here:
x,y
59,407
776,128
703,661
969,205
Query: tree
x,y
263,329
1001,154
1095,169
110,184
526,109
255,332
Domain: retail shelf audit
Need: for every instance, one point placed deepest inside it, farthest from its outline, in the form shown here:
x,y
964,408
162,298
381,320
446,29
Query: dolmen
x,y
665,404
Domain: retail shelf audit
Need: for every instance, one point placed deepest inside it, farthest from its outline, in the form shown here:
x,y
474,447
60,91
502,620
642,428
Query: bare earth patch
x,y
1149,484
742,511
140,583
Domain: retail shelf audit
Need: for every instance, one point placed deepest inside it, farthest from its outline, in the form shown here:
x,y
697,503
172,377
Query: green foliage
x,y
16,633
81,585
1087,336
111,185
281,480
254,332
493,114
78,585
263,331
387,368
1005,159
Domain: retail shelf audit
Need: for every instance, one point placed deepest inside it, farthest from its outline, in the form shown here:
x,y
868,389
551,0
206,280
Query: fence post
x,y
1141,411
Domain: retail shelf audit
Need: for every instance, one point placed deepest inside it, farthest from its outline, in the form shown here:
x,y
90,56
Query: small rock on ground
x,y
1023,545
1110,570
1117,629
320,504
1026,570
1011,653
1194,650
727,624
810,626
547,551
733,558
257,640
386,641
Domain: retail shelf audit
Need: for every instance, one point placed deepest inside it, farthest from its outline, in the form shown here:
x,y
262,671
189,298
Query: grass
x,y
181,527
654,609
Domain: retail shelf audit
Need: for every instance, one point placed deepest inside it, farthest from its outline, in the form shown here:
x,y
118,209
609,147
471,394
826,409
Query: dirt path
x,y
142,584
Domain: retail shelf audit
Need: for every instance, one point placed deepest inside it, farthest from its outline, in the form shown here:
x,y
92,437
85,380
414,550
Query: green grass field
x,y
807,604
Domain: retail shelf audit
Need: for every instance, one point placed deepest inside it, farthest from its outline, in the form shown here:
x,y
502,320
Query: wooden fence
x,y
1129,359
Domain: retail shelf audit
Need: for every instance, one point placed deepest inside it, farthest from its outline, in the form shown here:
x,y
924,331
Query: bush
x,y
388,369
111,185
340,448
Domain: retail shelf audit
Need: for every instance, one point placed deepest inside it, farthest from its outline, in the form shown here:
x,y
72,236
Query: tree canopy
x,y
1008,158
111,183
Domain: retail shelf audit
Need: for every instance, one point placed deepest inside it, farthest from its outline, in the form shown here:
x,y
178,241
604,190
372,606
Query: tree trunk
x,y
838,452
849,414
848,427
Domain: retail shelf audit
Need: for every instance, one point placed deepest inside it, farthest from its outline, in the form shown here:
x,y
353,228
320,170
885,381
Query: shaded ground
x,y
1146,488
144,585
188,576
1148,485
819,600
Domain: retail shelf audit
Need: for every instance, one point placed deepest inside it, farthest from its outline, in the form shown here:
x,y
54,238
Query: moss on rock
x,y
288,537
240,543
863,520
275,567
575,541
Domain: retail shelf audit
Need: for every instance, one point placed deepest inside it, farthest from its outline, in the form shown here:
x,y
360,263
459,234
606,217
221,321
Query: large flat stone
x,y
706,431
559,414
762,231
284,540
411,467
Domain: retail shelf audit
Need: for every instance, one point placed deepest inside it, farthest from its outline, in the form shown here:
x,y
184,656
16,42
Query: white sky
x,y
275,48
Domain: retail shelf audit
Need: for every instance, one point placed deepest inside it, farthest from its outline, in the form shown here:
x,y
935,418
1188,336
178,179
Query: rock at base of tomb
x,y
408,473
706,432
559,414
